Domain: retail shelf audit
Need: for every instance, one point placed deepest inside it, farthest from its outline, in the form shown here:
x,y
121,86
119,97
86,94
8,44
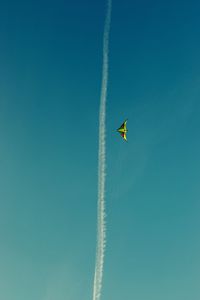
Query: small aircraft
x,y
123,130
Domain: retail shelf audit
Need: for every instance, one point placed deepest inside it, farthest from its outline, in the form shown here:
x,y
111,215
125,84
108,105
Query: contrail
x,y
101,226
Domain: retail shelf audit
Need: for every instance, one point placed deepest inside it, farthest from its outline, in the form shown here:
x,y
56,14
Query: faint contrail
x,y
101,226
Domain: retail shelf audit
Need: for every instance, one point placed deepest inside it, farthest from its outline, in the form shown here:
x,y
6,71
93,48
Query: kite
x,y
123,130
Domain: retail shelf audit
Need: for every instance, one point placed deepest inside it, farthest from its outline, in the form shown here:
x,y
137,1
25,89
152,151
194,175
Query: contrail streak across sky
x,y
101,226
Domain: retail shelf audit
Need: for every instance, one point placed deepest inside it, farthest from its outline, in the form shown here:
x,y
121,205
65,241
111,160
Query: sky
x,y
50,82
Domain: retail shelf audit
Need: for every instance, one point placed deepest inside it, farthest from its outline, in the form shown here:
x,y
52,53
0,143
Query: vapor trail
x,y
101,226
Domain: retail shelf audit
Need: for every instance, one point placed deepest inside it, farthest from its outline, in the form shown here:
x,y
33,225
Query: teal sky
x,y
50,81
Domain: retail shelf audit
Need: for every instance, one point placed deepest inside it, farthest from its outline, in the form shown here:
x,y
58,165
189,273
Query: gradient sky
x,y
50,80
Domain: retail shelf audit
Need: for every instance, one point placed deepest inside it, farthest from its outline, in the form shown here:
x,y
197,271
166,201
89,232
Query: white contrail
x,y
101,226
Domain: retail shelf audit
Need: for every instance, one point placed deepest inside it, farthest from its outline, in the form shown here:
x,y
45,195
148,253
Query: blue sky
x,y
50,80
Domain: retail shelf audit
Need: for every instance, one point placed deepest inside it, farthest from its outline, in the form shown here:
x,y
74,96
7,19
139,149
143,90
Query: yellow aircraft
x,y
123,130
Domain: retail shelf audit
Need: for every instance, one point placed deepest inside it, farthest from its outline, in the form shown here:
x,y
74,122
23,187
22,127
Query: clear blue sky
x,y
50,80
